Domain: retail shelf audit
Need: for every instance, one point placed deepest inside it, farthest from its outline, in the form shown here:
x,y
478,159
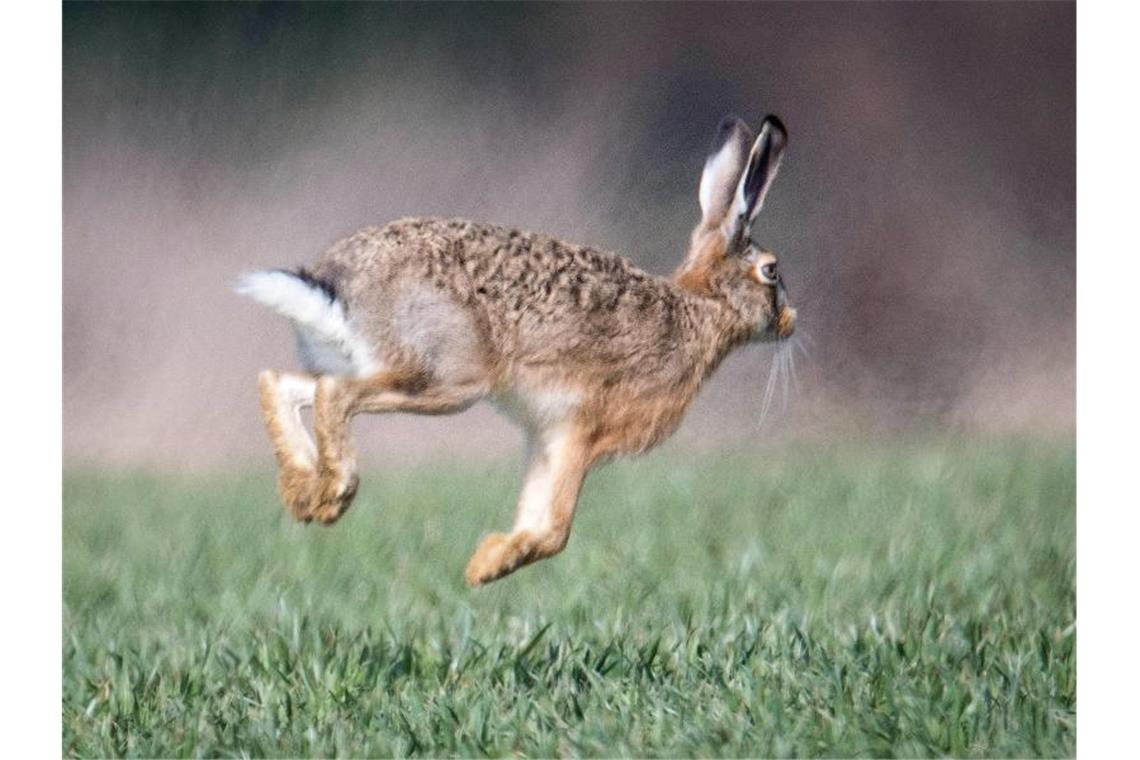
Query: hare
x,y
590,355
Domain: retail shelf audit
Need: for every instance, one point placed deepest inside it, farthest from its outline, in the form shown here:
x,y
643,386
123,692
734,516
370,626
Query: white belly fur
x,y
538,410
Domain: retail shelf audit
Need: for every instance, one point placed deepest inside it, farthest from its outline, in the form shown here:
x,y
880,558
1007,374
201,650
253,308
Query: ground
x,y
909,599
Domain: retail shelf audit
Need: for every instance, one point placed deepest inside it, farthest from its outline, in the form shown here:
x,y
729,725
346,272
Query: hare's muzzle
x,y
785,314
786,322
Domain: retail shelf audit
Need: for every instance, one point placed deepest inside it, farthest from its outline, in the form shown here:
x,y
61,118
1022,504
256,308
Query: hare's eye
x,y
768,271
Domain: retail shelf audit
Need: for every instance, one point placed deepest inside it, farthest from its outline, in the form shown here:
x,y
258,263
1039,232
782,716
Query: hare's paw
x,y
499,554
324,496
334,494
295,485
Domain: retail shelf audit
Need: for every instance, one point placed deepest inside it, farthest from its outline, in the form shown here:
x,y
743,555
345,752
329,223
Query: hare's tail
x,y
326,341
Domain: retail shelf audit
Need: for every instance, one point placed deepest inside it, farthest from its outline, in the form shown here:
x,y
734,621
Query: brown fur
x,y
592,356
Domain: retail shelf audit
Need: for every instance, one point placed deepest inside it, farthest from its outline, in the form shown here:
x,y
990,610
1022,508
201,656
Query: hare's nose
x,y
786,322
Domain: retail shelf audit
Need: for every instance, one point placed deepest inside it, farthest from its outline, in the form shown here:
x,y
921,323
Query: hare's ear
x,y
723,170
763,162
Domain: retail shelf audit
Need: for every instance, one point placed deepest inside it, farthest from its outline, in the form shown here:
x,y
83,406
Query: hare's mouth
x,y
777,327
786,322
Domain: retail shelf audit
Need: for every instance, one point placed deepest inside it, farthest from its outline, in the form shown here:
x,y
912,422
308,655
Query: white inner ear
x,y
721,169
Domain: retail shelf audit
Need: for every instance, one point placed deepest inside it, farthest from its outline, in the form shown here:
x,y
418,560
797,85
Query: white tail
x,y
326,342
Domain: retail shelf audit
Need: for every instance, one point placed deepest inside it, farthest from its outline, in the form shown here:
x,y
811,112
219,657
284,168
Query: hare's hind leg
x,y
339,399
337,477
558,464
283,395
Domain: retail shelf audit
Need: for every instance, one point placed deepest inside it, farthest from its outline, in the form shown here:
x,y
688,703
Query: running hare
x,y
590,355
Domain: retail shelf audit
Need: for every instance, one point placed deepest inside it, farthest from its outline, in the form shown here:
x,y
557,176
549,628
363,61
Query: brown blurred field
x,y
925,214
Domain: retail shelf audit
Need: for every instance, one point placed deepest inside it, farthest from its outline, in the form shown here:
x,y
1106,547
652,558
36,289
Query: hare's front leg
x,y
283,395
558,463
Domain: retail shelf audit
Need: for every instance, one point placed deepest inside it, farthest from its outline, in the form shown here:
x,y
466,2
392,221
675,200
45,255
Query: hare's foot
x,y
323,497
500,554
333,492
295,486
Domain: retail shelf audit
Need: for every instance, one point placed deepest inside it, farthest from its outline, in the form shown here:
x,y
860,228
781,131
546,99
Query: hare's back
x,y
524,295
547,298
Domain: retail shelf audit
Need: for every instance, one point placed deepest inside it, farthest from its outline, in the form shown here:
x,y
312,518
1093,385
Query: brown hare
x,y
590,355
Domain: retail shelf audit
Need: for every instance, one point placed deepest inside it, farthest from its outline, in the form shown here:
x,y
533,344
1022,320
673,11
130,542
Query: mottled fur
x,y
592,356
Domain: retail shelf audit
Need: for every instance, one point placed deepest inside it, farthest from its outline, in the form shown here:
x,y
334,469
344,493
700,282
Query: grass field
x,y
912,600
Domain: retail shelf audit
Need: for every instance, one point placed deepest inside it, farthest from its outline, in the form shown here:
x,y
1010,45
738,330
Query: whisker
x,y
783,377
769,391
792,367
801,340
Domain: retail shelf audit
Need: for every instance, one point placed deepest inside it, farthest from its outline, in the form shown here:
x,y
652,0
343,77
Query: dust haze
x,y
924,214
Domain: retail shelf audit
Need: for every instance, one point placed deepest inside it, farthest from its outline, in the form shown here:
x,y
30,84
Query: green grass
x,y
913,600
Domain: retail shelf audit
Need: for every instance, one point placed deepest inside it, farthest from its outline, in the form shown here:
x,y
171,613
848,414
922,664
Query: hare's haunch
x,y
590,355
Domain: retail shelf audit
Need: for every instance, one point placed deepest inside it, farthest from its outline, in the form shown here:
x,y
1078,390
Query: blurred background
x,y
925,211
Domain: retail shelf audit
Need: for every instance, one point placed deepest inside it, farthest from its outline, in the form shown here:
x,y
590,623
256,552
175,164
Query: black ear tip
x,y
730,125
773,121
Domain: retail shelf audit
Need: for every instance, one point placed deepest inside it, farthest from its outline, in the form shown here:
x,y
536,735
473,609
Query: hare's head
x,y
723,261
